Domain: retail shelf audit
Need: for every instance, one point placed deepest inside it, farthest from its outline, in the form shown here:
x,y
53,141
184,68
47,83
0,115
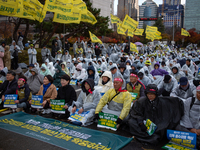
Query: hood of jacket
x,y
18,70
157,63
90,82
91,68
35,70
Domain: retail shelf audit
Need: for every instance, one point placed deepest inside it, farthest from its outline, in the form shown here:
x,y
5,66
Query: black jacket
x,y
26,91
11,89
67,93
97,51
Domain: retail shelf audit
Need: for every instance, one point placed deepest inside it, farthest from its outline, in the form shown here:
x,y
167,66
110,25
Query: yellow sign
x,y
130,33
133,47
184,32
151,29
129,23
8,7
88,17
94,39
150,36
120,30
114,19
139,31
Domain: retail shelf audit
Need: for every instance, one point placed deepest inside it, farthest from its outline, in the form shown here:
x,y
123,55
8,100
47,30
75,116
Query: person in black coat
x,y
97,52
66,45
127,49
9,86
67,93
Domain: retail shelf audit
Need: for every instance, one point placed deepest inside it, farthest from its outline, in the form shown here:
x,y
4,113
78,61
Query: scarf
x,y
120,90
45,87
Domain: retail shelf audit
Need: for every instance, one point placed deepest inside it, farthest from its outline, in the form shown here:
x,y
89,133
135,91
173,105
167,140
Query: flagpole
x,y
129,38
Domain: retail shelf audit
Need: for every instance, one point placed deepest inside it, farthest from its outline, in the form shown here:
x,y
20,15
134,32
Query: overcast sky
x,y
141,1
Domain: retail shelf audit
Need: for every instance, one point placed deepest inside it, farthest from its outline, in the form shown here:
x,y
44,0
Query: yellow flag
x,y
120,30
8,7
40,12
88,17
94,39
139,31
129,23
157,35
151,29
130,33
74,17
150,36
59,6
81,5
114,19
184,32
133,47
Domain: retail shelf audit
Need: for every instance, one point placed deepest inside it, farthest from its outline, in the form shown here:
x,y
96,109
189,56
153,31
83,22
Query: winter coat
x,y
24,94
46,72
14,50
51,93
67,93
7,58
54,50
108,85
95,76
32,55
7,88
138,88
57,76
169,87
97,51
35,81
158,71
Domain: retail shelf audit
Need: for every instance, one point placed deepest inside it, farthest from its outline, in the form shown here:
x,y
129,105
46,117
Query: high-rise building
x,y
106,6
148,9
124,7
172,15
172,2
192,14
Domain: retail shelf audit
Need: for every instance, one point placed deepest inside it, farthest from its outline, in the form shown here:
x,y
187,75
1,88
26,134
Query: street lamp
x,y
130,7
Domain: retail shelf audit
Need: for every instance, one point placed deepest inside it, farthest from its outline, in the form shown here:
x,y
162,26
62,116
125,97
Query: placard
x,y
73,82
57,106
151,127
36,101
79,117
9,100
134,95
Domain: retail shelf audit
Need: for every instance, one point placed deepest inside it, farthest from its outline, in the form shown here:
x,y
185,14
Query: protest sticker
x,y
10,100
37,101
107,121
79,117
174,146
134,95
57,106
151,127
73,82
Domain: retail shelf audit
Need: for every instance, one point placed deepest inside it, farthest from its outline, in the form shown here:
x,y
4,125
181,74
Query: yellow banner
x,y
81,5
130,33
59,6
133,47
88,17
8,7
74,17
40,13
94,38
150,36
157,35
114,19
139,31
120,30
129,23
184,32
150,29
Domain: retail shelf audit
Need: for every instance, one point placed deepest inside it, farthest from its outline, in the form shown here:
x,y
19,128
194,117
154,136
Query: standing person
x,y
79,51
55,49
97,52
20,43
1,58
14,55
46,54
74,48
59,42
32,54
127,49
66,56
7,58
67,45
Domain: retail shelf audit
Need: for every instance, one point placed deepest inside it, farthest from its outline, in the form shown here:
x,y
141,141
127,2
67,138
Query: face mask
x,y
35,65
184,88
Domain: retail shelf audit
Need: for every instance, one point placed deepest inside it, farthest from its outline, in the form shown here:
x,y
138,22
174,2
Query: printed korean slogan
x,y
57,106
79,117
120,30
150,36
81,5
61,134
94,39
129,23
10,101
88,17
151,29
73,82
133,47
36,101
130,33
8,7
139,31
114,19
184,32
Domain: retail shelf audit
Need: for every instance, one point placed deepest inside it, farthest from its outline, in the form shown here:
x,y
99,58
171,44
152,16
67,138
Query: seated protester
x,y
167,85
87,100
24,94
196,80
92,74
84,64
125,72
164,67
118,99
73,67
64,68
177,73
190,121
135,86
59,73
160,110
79,73
50,66
101,66
66,56
184,90
35,81
67,93
190,65
18,72
158,71
105,82
140,64
59,55
148,65
144,79
188,72
44,70
48,91
28,73
147,73
3,73
128,64
9,86
110,63
134,68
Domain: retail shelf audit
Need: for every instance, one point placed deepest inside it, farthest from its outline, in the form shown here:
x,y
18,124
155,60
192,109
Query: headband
x,y
152,90
198,88
22,80
133,75
118,79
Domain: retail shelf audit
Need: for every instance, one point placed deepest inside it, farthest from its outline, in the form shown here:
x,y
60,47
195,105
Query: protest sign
x,y
107,121
134,95
37,101
10,100
79,117
57,106
73,82
151,127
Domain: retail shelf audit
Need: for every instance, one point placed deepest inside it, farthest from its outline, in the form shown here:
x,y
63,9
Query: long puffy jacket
x,y
57,76
158,71
108,85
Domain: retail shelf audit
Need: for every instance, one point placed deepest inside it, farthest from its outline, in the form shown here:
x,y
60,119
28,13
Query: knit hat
x,y
79,67
148,62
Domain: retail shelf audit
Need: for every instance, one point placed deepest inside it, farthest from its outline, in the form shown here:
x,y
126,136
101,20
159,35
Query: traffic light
x,y
148,19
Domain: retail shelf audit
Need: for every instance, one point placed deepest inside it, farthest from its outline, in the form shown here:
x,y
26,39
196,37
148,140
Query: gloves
x,y
119,121
96,117
143,127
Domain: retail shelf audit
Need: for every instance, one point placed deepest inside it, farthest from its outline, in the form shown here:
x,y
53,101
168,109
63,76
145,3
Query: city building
x,y
106,6
124,7
148,9
192,15
172,2
172,15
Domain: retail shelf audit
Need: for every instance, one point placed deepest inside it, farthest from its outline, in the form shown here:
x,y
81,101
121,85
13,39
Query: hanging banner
x,y
10,100
130,33
57,106
120,30
81,5
61,134
114,19
150,29
36,101
8,7
79,117
139,32
107,121
94,39
133,47
184,32
88,17
129,23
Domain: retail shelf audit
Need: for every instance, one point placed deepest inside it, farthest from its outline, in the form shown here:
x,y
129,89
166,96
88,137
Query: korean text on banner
x,y
8,7
139,31
129,23
10,100
94,38
114,19
57,106
88,17
37,101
